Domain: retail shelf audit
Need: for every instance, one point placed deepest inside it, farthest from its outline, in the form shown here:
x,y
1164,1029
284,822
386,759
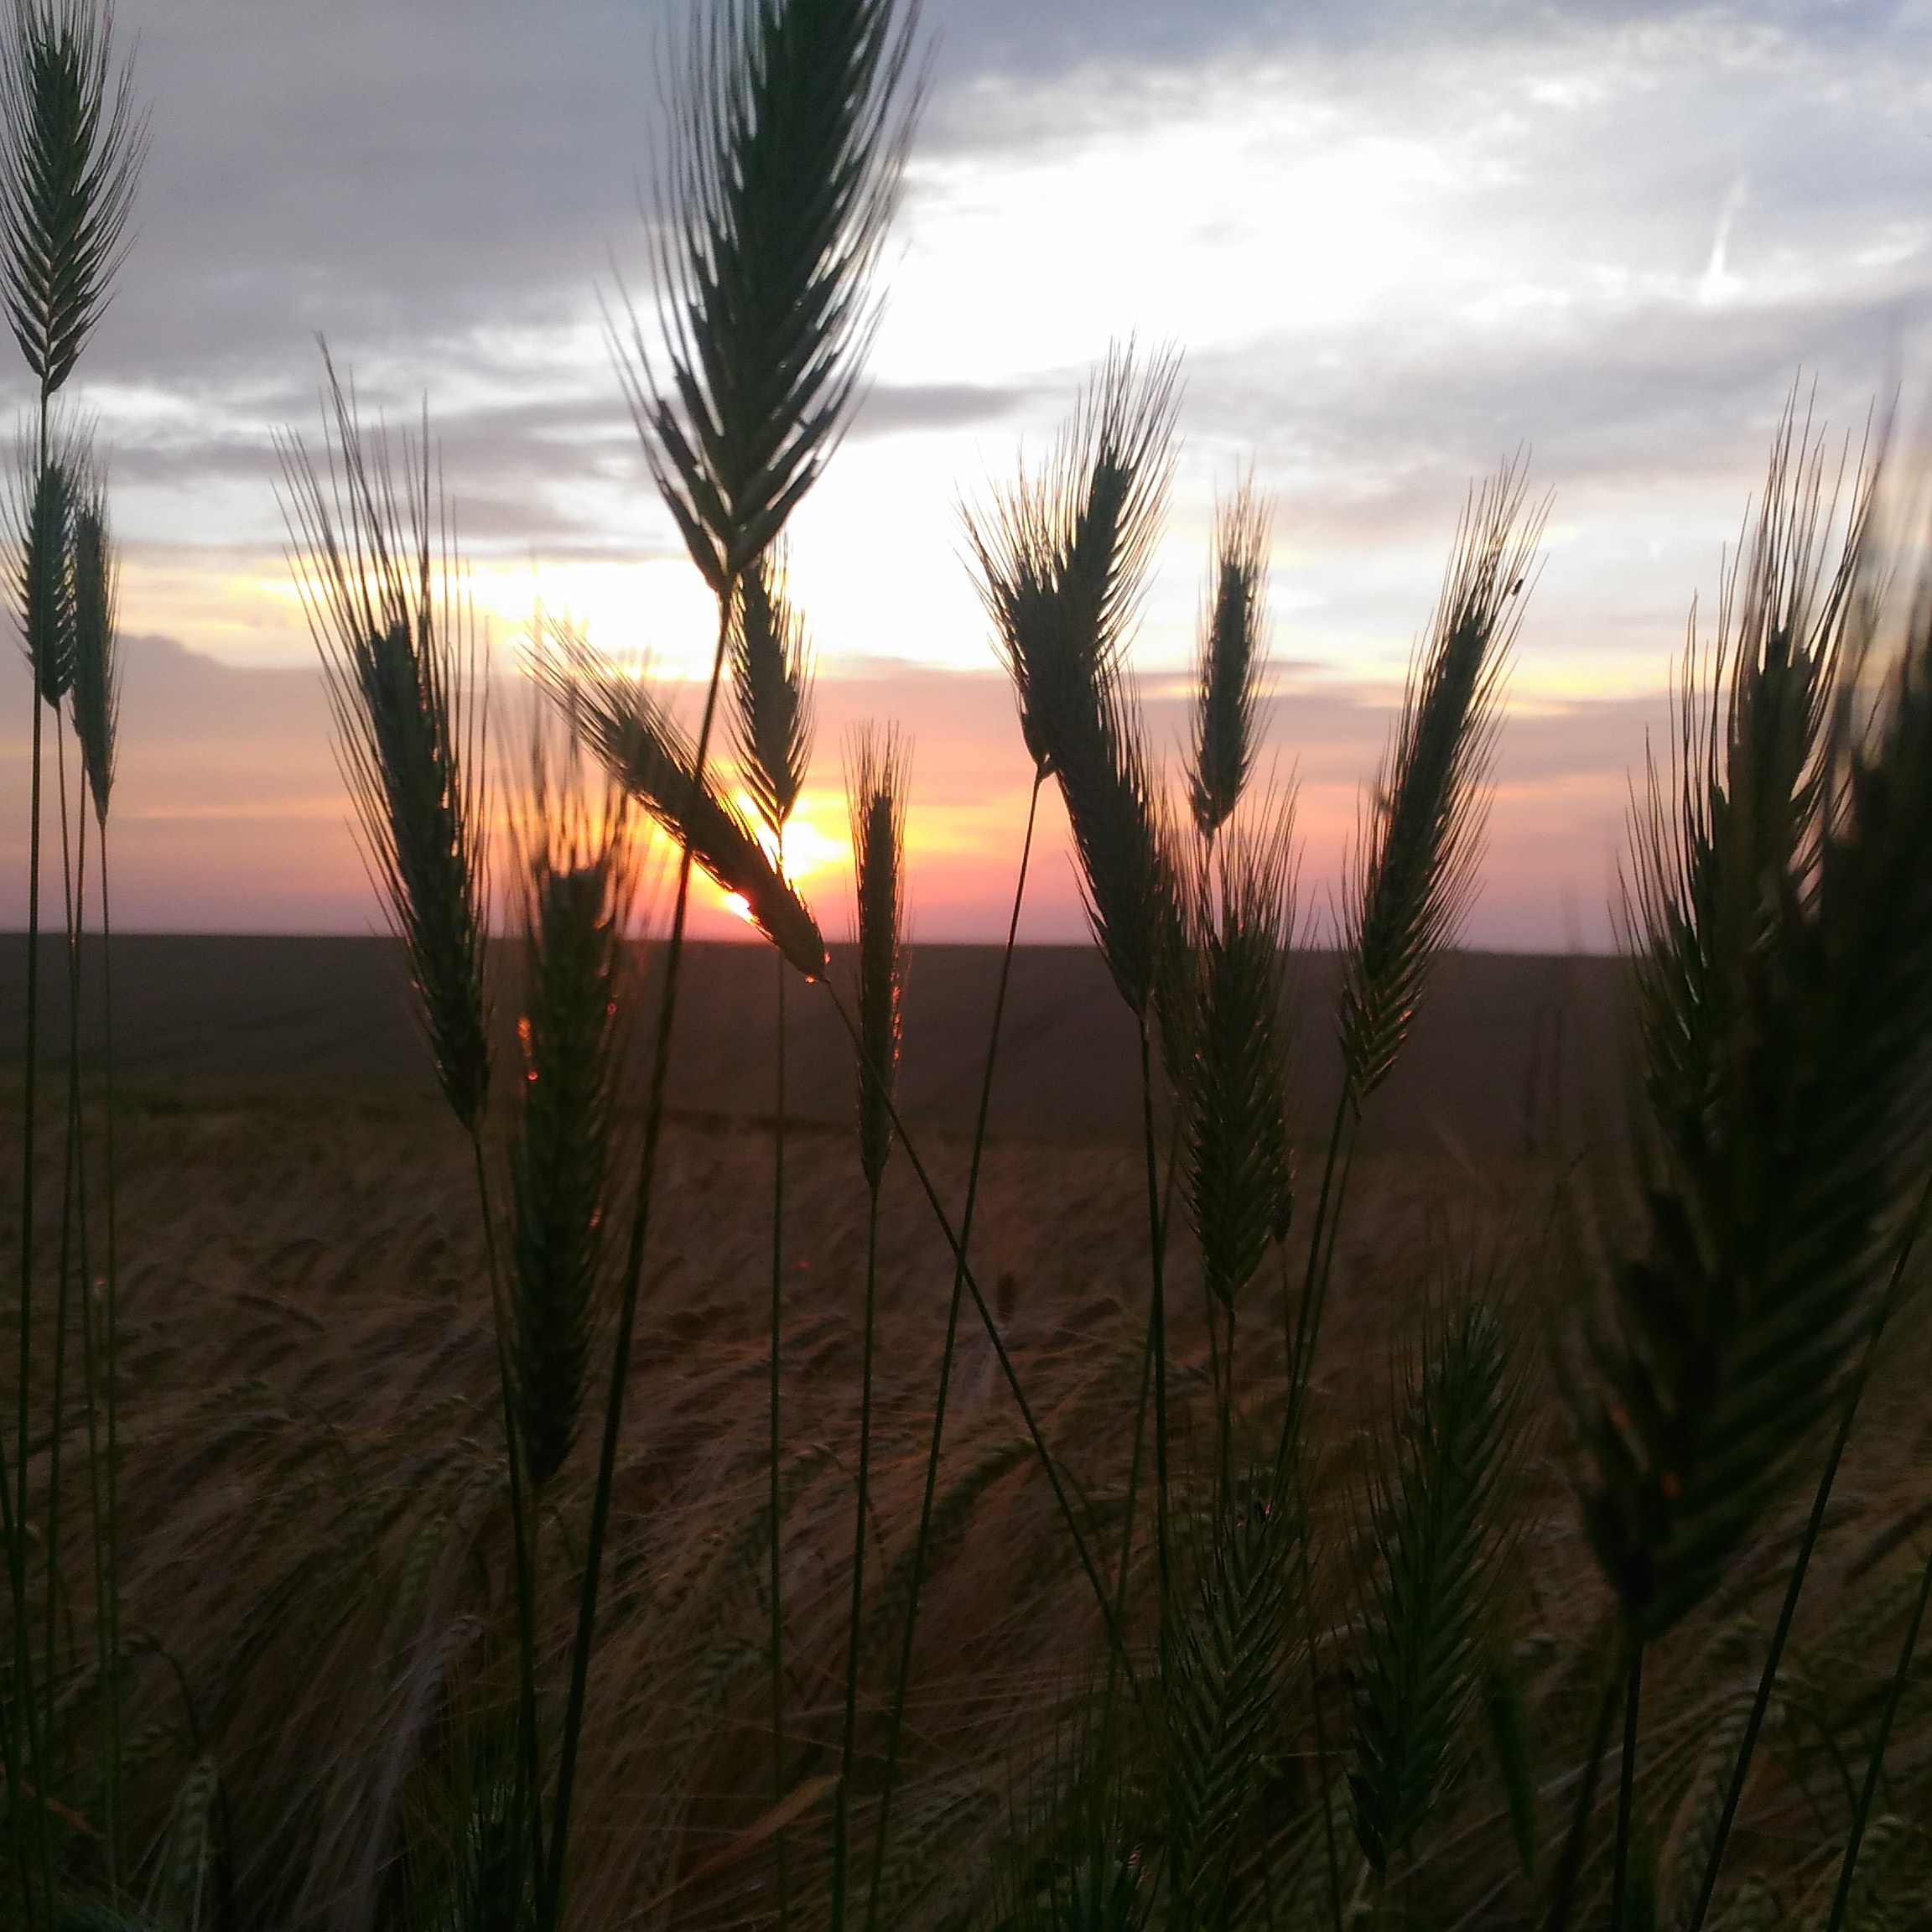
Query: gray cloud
x,y
440,186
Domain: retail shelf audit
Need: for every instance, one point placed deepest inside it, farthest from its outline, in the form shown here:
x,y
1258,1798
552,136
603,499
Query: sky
x,y
1394,244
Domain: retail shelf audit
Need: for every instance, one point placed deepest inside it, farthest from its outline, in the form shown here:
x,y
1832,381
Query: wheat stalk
x,y
1417,846
875,788
788,140
772,687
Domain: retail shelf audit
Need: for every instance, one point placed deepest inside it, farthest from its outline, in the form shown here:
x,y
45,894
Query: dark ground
x,y
1513,1052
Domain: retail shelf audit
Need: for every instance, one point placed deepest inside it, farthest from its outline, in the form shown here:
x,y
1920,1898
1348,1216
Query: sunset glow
x,y
1389,259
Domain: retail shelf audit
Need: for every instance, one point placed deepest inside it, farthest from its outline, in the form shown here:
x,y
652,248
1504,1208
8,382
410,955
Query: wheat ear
x,y
1062,560
648,753
1781,982
74,145
1233,1062
789,136
1227,1652
94,700
771,694
379,583
1433,1514
1784,917
579,876
1230,660
1415,857
42,514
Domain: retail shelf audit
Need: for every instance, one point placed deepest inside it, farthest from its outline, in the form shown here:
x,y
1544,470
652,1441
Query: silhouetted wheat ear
x,y
1433,1518
788,140
73,149
579,880
1228,668
875,795
1227,1661
1061,557
1782,924
772,691
1062,561
96,694
374,562
1229,1053
42,514
1416,860
646,752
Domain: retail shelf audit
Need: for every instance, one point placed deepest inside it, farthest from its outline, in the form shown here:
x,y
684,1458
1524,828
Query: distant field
x,y
1513,1054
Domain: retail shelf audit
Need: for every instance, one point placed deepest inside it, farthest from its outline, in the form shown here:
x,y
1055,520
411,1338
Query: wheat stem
x,y
848,1735
1895,1692
1156,1321
1335,1168
1003,1357
780,969
115,1822
1626,1785
551,1895
523,1550
63,1264
922,1540
1569,1862
1323,1777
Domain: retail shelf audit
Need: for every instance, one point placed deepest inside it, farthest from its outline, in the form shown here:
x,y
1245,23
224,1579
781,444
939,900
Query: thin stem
x,y
1767,1678
1895,1692
849,1739
777,1552
90,1349
24,1700
64,1251
1156,1322
551,1897
1626,1787
1003,1356
1335,1171
114,1822
1135,1455
522,1534
1321,1772
1569,1863
921,1542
